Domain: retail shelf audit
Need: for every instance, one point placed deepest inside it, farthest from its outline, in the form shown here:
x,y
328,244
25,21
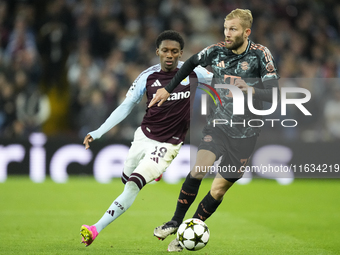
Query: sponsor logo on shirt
x,y
156,84
177,95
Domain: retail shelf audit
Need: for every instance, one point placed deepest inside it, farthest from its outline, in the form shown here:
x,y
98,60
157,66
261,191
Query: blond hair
x,y
244,15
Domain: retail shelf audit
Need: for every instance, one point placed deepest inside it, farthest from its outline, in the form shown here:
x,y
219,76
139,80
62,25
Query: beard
x,y
238,42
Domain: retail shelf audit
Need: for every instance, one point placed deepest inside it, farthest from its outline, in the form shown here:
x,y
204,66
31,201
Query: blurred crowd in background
x,y
66,64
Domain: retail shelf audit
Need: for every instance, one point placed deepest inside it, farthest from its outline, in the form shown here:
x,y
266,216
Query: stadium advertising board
x,y
40,157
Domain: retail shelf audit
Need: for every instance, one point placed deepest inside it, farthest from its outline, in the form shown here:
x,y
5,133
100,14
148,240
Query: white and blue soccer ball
x,y
193,234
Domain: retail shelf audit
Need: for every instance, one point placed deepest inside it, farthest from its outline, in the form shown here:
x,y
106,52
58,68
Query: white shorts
x,y
148,157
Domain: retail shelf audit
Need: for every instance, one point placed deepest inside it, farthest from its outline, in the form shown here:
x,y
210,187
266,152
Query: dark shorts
x,y
235,152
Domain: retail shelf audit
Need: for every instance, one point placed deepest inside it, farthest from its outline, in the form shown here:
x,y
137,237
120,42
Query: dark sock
x,y
186,197
207,207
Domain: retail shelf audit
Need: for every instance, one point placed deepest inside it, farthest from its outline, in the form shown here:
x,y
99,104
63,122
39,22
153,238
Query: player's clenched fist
x,y
87,140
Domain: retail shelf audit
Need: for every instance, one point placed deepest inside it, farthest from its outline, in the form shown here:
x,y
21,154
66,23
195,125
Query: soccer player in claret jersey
x,y
159,138
248,66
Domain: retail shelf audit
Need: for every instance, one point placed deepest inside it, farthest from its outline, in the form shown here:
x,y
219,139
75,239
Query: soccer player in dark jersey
x,y
159,138
250,67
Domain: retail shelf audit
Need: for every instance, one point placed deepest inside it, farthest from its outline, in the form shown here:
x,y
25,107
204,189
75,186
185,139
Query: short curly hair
x,y
170,35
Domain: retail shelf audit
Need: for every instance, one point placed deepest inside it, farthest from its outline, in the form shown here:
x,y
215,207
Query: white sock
x,y
119,206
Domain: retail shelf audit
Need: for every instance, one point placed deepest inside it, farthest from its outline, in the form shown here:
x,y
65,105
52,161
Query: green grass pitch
x,y
262,217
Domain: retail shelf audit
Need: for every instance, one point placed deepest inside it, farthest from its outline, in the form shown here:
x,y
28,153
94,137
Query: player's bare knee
x,y
217,193
197,172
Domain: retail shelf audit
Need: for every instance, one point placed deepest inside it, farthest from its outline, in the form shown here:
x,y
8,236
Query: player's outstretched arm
x,y
266,93
115,118
241,84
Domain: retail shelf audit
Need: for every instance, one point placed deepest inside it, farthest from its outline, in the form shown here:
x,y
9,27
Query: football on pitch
x,y
193,234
